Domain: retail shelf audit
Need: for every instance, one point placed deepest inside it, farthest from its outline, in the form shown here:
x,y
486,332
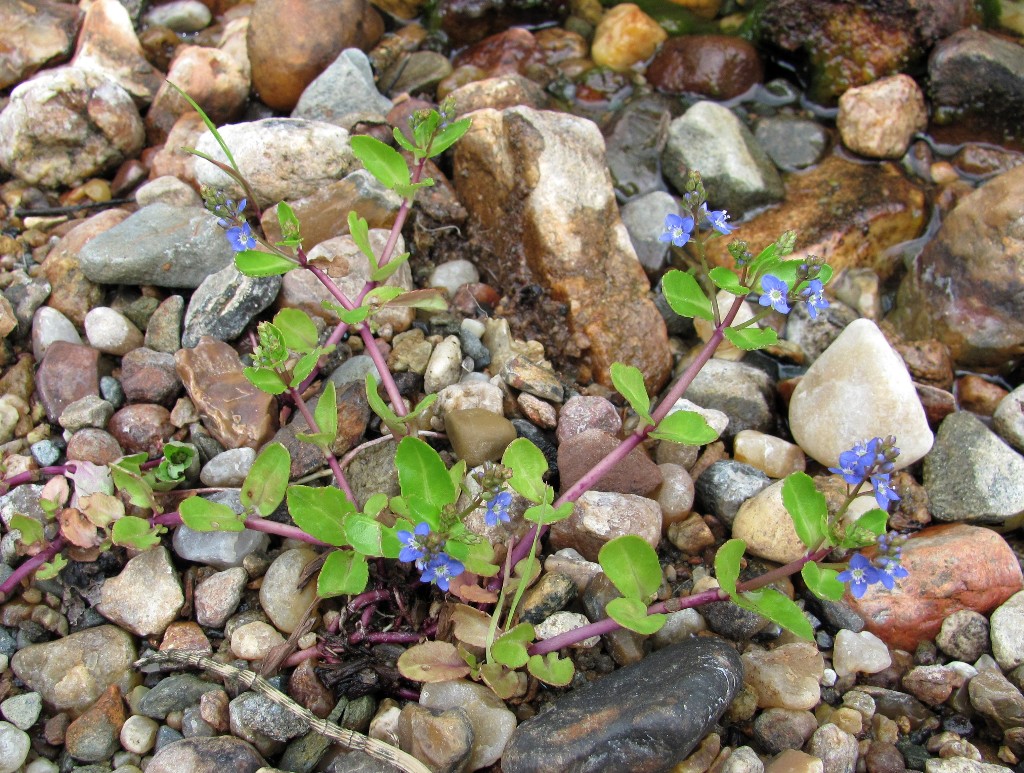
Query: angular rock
x,y
880,119
644,218
786,677
584,259
207,755
343,93
107,46
146,596
792,143
635,138
444,739
40,33
648,716
599,517
225,303
724,486
94,736
636,474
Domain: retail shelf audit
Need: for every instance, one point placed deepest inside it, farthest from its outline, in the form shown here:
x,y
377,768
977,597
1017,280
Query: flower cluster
x,y
232,218
884,570
679,228
423,548
776,295
871,461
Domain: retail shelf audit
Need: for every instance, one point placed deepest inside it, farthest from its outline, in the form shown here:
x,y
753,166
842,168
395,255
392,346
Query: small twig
x,y
70,209
348,738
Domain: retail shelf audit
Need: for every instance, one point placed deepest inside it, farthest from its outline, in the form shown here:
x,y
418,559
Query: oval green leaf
x,y
751,338
629,381
344,573
265,485
203,515
806,506
686,427
432,661
632,566
320,512
297,330
256,263
528,466
684,295
632,614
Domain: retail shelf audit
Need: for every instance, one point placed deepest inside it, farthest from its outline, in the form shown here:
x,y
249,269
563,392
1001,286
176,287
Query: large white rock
x,y
859,388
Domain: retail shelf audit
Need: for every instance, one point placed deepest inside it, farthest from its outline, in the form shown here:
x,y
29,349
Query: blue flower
x,y
884,493
441,569
891,570
813,298
677,229
860,575
414,543
241,237
497,509
775,292
717,218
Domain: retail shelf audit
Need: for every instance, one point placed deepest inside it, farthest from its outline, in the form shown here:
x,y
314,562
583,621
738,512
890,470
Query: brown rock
x,y
978,394
353,416
869,209
150,377
536,184
94,445
94,735
502,91
185,635
945,576
171,160
142,427
293,41
513,51
305,687
625,37
577,455
19,380
716,66
107,44
444,739
39,32
880,119
234,411
68,373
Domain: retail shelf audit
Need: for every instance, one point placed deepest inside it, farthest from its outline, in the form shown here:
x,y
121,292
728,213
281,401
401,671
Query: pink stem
x,y
30,565
298,657
367,598
31,476
252,522
332,460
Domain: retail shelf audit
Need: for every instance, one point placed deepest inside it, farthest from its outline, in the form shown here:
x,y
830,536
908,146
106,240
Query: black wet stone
x,y
724,486
225,303
643,718
175,693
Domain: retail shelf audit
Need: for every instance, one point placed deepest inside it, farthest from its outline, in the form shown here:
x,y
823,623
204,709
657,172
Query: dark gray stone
x,y
742,392
643,718
792,143
225,303
255,713
635,141
724,486
174,693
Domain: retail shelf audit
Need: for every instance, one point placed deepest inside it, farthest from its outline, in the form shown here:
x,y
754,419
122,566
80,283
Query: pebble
x,y
626,647
679,626
228,469
107,45
581,413
786,677
860,368
570,563
880,119
791,143
22,710
251,713
563,622
142,428
148,376
253,641
167,190
552,593
742,760
635,474
68,373
173,693
94,736
444,367
539,412
625,36
745,394
343,93
931,684
1008,419
180,16
836,749
767,527
207,755
14,747
600,516
219,549
691,536
138,734
719,67
491,721
724,486
89,411
47,33
775,457
225,303
1007,632
675,494
163,333
441,738
635,138
779,729
965,635
146,596
45,452
647,716
859,653
972,476
284,603
217,597
478,435
452,274
48,326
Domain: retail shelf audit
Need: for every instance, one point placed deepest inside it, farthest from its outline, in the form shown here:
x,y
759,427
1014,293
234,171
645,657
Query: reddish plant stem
x,y
624,448
28,566
367,598
332,460
252,522
31,476
298,657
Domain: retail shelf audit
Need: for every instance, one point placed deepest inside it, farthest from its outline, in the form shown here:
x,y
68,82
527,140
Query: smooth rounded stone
x,y
217,597
647,716
146,596
94,736
492,722
742,392
965,635
552,592
253,641
160,245
225,303
880,119
794,761
477,435
219,549
978,395
577,455
354,369
68,373
48,326
72,672
767,527
787,677
22,710
45,33
972,476
343,93
995,698
251,712
960,765
679,626
111,391
644,218
564,622
1007,632
94,445
691,536
207,755
444,367
282,158
675,494
167,190
228,469
234,411
283,602
859,368
452,274
148,376
175,692
90,411
142,427
570,563
14,747
738,174
724,486
599,517
443,739
163,333
111,332
859,653
836,748
720,67
625,36
779,729
581,413
791,143
931,684
138,734
635,138
775,457
180,16
45,139
742,760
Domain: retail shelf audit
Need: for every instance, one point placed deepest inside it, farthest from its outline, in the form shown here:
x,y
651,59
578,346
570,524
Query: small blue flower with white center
x,y
441,570
717,219
414,543
860,575
497,509
677,229
814,298
241,237
775,293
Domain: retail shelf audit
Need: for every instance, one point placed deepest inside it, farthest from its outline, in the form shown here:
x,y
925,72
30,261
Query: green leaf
x,y
423,129
320,512
685,296
135,532
632,614
528,466
354,316
402,141
383,273
203,515
297,330
359,230
865,529
551,669
264,487
257,263
510,649
379,407
265,380
326,413
382,161
632,566
139,492
476,556
31,530
51,569
807,507
686,427
371,538
428,300
545,515
304,367
822,582
344,573
177,458
780,609
728,280
727,564
422,476
209,125
629,381
289,224
374,504
751,338
449,136
504,682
